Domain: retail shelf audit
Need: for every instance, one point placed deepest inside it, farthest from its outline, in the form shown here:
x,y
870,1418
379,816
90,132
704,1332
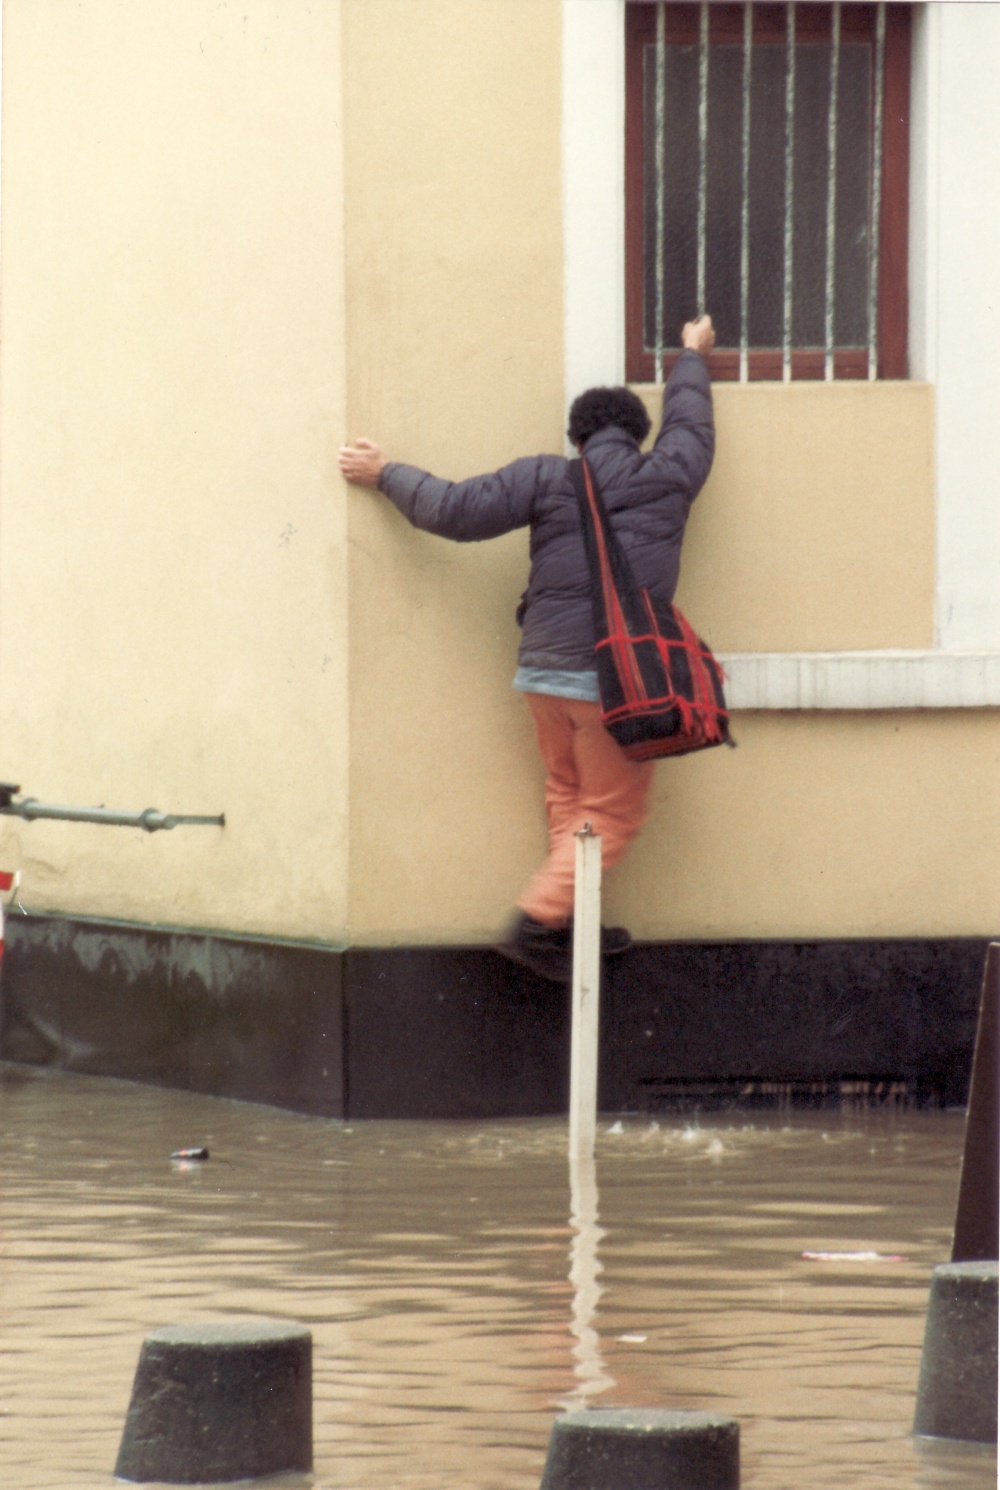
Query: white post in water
x,y
586,994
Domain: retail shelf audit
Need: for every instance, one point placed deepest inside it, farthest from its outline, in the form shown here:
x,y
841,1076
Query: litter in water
x,y
854,1257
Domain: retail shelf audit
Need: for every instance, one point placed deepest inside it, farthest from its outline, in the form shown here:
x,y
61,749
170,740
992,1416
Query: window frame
x,y
813,23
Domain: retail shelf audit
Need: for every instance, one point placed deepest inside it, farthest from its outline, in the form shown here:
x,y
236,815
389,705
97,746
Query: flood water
x,y
455,1306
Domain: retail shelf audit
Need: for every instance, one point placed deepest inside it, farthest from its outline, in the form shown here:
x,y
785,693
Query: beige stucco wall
x,y
172,569
232,237
454,274
840,825
815,530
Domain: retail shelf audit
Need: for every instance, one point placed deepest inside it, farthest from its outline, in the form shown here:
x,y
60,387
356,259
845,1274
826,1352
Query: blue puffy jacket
x,y
648,497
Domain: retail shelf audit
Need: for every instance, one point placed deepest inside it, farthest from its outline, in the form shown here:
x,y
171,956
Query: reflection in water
x,y
430,1262
583,1273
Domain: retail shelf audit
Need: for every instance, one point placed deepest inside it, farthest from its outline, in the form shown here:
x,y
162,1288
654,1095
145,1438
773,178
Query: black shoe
x,y
545,950
614,939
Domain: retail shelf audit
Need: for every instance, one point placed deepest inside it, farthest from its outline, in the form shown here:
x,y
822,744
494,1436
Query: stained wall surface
x,y
173,560
816,531
454,295
234,237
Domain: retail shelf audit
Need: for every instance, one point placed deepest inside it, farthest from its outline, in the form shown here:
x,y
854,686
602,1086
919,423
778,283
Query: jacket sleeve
x,y
467,511
686,442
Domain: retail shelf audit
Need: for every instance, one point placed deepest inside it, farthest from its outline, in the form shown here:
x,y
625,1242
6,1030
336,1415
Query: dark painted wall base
x,y
459,1032
258,1020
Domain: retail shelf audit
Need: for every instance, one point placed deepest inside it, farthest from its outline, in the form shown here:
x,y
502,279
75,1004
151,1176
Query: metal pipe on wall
x,y
151,820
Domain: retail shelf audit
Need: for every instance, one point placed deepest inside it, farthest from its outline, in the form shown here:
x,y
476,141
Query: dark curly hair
x,y
599,407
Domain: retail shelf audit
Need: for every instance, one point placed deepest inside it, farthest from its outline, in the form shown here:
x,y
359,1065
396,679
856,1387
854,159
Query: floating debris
x,y
854,1257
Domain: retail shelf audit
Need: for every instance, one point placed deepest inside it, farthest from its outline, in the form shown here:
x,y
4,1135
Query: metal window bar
x,y
786,347
745,205
661,67
789,176
831,190
702,153
876,191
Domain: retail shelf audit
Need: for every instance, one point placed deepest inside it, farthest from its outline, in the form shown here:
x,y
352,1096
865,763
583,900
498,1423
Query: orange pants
x,y
589,780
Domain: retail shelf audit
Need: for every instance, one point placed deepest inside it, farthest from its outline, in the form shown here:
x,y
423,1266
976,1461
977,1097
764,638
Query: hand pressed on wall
x,y
361,462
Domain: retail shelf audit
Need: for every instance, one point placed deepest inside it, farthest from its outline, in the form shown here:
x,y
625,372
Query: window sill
x,y
862,680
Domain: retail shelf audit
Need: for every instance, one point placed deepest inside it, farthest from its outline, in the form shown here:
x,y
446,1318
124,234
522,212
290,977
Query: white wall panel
x,y
955,289
954,320
594,192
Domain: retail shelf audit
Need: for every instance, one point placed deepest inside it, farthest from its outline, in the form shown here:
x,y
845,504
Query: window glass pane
x,y
854,149
680,165
812,106
852,201
767,196
679,159
725,192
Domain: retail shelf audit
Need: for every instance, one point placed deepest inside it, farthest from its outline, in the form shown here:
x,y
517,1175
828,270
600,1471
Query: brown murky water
x,y
454,1307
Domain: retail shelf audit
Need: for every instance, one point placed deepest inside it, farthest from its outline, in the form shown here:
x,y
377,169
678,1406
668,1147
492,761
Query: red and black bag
x,y
661,688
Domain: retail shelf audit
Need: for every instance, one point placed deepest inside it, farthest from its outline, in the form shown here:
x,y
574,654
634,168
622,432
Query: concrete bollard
x,y
957,1389
632,1449
216,1402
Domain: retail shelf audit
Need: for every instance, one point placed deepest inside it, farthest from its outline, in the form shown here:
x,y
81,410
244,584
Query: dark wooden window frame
x,y
813,23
